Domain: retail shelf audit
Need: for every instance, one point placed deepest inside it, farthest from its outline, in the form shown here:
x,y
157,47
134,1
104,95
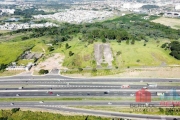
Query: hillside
x,y
124,42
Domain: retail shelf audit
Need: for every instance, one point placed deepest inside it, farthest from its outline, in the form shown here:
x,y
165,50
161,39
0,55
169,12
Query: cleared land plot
x,y
172,22
98,53
108,54
52,62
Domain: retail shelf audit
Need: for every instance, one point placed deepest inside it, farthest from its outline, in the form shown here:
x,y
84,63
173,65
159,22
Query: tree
x,y
103,40
132,42
71,53
127,42
118,53
67,46
14,110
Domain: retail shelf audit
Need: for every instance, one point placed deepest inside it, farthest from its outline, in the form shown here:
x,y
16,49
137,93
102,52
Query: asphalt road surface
x,y
61,107
55,78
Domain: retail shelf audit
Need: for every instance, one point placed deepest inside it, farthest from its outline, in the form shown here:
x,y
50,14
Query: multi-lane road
x,y
60,86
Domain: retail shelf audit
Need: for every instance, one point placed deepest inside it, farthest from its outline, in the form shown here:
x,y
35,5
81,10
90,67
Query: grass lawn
x,y
82,54
10,73
172,22
24,62
153,111
131,55
36,114
139,55
9,52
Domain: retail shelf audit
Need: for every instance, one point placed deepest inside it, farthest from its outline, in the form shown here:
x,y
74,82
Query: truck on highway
x,y
152,85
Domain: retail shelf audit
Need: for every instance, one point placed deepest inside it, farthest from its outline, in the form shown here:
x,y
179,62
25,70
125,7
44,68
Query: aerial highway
x,y
61,106
57,86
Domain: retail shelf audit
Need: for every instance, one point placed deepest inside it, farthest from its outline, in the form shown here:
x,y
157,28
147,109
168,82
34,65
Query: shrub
x,y
80,69
50,48
71,53
42,71
118,53
138,60
14,110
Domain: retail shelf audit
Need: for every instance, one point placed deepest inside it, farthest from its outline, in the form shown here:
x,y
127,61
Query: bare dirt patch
x,y
103,54
52,62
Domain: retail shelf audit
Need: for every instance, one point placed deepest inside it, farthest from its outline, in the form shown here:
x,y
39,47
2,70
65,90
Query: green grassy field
x,y
131,55
152,111
9,52
29,115
150,55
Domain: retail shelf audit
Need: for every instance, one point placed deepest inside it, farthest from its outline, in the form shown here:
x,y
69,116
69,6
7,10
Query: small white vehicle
x,y
152,85
41,102
57,95
145,87
20,88
12,103
160,94
17,94
109,103
131,94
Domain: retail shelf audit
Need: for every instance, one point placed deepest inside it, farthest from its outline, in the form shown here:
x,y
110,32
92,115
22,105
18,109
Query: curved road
x,y
61,106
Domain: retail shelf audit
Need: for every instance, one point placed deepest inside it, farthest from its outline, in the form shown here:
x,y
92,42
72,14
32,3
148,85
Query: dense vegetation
x,y
27,13
130,27
174,46
16,114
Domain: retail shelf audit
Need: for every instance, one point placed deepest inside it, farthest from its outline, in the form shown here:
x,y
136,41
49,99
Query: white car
x,y
17,94
41,102
12,103
57,95
109,103
131,94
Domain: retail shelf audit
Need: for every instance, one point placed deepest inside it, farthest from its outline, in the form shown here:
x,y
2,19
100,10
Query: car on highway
x,y
144,87
50,88
50,92
12,103
125,86
106,92
88,93
20,88
109,103
41,101
131,94
57,95
17,94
